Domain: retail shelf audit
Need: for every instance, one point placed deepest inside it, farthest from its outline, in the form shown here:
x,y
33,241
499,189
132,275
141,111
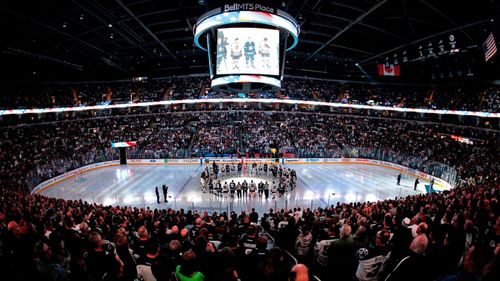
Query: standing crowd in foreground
x,y
454,235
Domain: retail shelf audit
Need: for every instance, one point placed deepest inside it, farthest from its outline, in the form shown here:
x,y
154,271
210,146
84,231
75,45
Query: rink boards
x,y
439,184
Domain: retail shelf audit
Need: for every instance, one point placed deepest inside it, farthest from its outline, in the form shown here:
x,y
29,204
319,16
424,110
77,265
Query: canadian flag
x,y
388,70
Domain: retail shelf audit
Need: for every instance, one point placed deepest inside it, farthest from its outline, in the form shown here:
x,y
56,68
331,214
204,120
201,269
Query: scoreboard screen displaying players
x,y
242,50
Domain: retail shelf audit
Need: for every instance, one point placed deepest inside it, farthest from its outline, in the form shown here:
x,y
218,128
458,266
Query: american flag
x,y
489,47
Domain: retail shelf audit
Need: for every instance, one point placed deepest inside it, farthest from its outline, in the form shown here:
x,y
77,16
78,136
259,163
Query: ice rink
x,y
317,185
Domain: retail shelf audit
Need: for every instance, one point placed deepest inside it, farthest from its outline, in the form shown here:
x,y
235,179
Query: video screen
x,y
247,51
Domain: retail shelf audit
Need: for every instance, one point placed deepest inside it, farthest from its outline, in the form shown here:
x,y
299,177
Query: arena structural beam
x,y
67,35
147,29
351,24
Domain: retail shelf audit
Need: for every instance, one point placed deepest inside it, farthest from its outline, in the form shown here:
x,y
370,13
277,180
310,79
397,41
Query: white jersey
x,y
265,49
370,262
321,251
236,50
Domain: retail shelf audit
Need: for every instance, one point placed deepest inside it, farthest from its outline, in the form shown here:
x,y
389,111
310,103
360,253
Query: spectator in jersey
x,y
248,241
187,270
321,248
373,257
144,271
303,245
195,230
342,255
256,258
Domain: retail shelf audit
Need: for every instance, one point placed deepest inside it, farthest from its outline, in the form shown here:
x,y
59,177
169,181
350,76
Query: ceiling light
x,y
110,25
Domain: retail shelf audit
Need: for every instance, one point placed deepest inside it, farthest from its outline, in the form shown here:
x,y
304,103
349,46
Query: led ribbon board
x,y
212,20
249,100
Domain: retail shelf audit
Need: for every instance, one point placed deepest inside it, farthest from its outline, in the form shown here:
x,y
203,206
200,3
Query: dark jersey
x,y
247,242
249,48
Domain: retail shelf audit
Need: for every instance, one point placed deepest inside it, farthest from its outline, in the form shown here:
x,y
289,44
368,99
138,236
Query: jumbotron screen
x,y
242,50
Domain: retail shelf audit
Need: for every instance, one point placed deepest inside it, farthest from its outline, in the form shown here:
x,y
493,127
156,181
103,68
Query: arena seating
x,y
52,239
83,141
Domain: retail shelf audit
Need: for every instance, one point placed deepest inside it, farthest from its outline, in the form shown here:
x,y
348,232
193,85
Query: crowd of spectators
x,y
74,143
458,97
51,239
454,235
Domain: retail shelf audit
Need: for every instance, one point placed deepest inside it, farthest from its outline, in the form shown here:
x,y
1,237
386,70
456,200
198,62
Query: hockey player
x,y
249,49
252,188
225,189
265,52
244,186
238,190
260,189
266,189
218,188
274,190
232,188
236,53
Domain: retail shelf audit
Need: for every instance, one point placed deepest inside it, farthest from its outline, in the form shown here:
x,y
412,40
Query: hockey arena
x,y
249,140
318,186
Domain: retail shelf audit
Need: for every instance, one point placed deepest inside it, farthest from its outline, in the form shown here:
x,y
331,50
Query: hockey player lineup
x,y
247,51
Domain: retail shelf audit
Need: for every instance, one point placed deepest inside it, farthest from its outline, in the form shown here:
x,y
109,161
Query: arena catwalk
x,y
317,186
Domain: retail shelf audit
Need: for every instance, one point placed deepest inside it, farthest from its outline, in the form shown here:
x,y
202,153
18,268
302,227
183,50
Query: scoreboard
x,y
246,44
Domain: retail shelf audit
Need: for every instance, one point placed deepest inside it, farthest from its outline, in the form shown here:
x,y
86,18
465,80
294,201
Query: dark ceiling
x,y
120,39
